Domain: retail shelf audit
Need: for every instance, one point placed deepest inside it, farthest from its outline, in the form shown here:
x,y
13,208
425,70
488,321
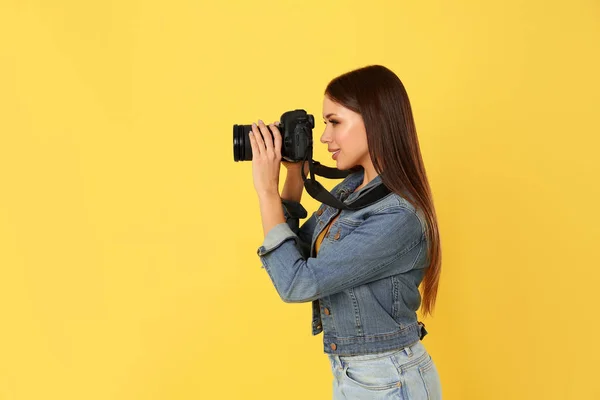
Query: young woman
x,y
361,269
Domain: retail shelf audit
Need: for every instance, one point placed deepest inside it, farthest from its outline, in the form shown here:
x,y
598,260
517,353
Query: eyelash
x,y
333,122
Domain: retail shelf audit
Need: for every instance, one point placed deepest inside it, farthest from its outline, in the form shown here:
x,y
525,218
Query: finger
x,y
277,135
266,135
260,145
253,145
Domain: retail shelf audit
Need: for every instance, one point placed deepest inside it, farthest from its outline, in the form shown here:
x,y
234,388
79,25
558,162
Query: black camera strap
x,y
318,192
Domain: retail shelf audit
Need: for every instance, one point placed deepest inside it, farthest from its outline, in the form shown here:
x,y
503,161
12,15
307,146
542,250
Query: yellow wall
x,y
128,235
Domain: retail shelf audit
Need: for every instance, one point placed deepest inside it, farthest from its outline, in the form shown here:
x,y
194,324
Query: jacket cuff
x,y
275,237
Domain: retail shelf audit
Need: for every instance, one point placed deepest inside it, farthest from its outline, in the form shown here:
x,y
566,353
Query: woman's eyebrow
x,y
329,115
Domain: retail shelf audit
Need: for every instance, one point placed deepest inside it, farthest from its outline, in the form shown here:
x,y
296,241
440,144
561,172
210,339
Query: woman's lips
x,y
334,155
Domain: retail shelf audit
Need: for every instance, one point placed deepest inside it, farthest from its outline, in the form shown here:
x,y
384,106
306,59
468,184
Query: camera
x,y
296,137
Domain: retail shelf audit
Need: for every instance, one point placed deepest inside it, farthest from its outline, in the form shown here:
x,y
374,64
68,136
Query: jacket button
x,y
327,311
333,346
320,211
337,235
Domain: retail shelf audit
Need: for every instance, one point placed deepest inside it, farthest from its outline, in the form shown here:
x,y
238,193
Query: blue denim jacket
x,y
363,284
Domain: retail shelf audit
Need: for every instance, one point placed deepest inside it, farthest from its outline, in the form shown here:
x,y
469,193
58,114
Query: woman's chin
x,y
340,164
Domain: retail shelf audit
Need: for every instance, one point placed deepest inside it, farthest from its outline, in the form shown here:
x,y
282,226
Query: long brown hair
x,y
378,95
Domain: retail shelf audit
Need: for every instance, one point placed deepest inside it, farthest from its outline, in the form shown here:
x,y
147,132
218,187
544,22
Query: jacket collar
x,y
354,180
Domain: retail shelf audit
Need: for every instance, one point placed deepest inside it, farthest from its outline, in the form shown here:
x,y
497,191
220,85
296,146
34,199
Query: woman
x,y
361,269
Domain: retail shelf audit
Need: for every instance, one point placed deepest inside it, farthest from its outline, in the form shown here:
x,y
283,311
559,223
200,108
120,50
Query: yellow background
x,y
128,235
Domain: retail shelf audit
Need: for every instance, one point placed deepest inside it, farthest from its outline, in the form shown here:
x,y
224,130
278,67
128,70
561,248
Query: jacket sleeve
x,y
373,248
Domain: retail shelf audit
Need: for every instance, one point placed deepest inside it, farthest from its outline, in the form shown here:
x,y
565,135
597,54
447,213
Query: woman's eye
x,y
332,122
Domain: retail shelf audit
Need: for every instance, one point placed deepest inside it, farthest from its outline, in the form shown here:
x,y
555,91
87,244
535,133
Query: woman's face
x,y
345,133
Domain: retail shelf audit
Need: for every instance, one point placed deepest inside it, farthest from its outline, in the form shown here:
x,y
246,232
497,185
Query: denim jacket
x,y
363,284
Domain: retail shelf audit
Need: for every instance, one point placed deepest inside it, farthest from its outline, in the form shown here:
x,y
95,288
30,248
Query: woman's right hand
x,y
294,184
294,168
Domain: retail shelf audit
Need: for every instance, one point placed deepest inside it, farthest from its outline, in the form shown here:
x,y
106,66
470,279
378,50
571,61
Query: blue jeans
x,y
408,374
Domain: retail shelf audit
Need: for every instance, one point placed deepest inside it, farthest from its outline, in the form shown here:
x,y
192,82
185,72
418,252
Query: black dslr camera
x,y
296,137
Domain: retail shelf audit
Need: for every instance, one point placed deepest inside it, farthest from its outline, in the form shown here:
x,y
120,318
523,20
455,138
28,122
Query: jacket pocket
x,y
340,229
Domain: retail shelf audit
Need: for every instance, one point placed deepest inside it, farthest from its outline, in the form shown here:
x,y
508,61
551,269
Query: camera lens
x,y
242,150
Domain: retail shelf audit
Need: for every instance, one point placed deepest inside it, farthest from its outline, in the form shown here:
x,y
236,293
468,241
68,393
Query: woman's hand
x,y
266,158
294,168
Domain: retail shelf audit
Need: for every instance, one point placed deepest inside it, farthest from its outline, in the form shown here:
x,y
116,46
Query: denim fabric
x,y
408,373
363,284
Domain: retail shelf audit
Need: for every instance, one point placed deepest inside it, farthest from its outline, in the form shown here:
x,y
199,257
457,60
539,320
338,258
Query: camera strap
x,y
318,192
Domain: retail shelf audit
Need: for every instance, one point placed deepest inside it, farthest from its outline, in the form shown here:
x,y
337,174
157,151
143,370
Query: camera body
x,y
296,137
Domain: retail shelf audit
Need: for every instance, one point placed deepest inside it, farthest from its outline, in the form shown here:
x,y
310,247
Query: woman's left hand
x,y
266,158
